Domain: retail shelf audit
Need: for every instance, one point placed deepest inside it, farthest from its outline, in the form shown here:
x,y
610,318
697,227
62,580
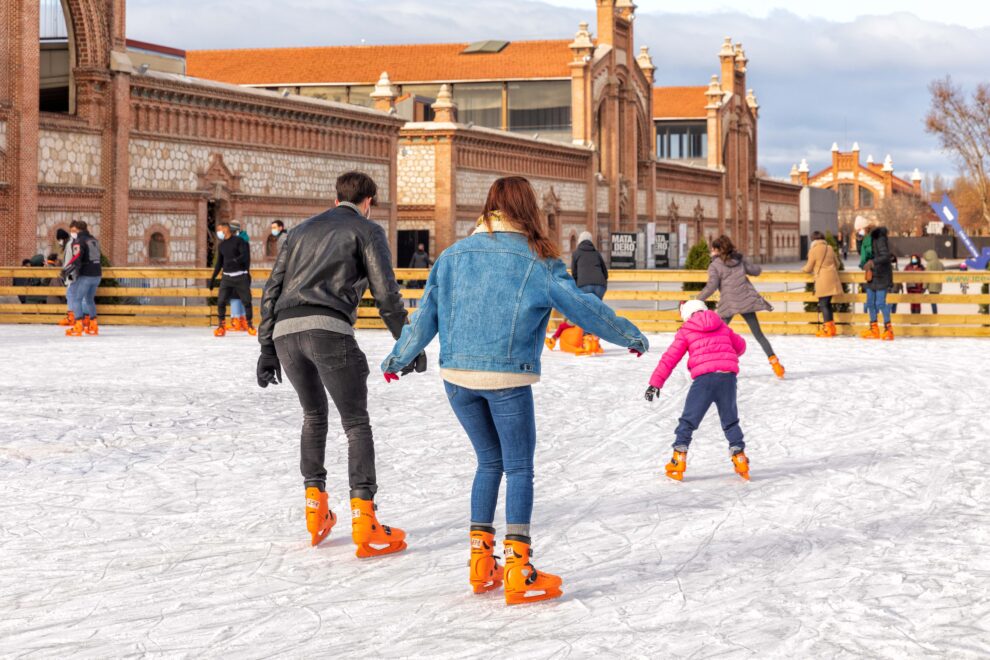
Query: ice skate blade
x,y
676,476
744,475
531,596
484,588
319,536
368,551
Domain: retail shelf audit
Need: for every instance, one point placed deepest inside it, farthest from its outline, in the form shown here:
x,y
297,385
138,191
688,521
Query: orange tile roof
x,y
364,64
679,102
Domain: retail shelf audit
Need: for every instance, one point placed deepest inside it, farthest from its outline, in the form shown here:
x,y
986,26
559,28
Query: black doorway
x,y
408,240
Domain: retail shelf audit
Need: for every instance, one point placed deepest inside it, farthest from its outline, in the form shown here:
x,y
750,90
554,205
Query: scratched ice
x,y
150,505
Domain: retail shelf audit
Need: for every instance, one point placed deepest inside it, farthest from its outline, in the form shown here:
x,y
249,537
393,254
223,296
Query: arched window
x,y
157,248
55,93
271,247
573,242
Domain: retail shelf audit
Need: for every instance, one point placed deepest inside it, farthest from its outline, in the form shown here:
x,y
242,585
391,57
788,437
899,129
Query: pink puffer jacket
x,y
712,346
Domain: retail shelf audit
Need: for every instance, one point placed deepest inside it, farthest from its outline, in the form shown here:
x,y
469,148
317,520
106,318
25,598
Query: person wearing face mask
x,y
915,287
238,320
279,232
307,325
234,260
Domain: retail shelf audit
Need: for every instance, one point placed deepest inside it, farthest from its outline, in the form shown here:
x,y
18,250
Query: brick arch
x,y
90,32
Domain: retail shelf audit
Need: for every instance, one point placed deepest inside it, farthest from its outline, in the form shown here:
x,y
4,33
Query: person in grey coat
x,y
727,274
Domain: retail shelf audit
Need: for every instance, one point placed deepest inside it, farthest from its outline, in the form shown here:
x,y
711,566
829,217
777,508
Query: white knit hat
x,y
690,307
585,236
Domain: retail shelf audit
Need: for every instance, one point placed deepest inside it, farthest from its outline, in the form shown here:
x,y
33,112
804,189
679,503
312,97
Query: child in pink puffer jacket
x,y
713,361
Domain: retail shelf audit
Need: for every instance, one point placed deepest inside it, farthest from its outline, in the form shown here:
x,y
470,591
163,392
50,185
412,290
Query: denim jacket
x,y
489,297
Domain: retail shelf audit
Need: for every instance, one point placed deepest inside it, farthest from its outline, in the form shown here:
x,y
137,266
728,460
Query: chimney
x,y
626,9
714,96
444,109
803,171
795,175
384,95
582,45
751,102
916,179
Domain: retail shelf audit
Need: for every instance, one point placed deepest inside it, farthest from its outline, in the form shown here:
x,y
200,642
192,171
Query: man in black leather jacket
x,y
308,312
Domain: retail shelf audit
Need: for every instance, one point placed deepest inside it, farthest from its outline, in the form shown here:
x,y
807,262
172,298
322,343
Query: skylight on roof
x,y
489,46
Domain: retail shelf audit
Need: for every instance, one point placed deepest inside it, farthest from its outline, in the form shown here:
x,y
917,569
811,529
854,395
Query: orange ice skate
x,y
373,539
319,518
678,464
486,575
523,583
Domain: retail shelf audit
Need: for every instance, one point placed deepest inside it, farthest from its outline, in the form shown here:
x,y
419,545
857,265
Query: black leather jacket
x,y
325,266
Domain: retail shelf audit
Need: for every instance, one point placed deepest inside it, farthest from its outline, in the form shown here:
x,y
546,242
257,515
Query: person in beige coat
x,y
823,263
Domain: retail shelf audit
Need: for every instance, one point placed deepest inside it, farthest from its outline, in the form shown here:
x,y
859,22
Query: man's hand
x,y
213,283
651,392
418,365
269,369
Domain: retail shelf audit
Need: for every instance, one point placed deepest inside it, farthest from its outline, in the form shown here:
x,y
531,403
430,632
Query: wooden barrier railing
x,y
180,297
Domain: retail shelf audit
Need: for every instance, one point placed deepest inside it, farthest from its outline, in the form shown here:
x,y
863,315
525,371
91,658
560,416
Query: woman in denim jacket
x,y
489,298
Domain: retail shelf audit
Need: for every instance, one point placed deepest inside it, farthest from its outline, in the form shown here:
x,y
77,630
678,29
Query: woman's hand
x,y
651,392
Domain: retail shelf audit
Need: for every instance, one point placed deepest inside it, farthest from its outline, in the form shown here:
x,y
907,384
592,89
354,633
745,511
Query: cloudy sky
x,y
844,71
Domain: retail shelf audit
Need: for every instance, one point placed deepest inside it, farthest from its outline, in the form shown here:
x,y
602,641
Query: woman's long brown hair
x,y
724,246
513,198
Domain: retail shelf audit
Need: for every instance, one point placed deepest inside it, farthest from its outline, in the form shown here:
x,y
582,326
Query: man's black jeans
x,y
317,362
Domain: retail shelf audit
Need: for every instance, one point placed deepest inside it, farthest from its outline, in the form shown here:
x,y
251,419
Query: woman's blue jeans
x,y
876,303
501,425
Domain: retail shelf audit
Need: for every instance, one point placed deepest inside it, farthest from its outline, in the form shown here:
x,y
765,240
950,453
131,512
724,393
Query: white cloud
x,y
818,81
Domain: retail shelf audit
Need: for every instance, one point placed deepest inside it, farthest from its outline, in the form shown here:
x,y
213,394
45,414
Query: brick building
x,y
114,134
861,189
582,116
118,136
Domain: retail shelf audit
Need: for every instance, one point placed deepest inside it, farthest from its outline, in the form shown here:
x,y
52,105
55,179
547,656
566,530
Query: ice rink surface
x,y
150,504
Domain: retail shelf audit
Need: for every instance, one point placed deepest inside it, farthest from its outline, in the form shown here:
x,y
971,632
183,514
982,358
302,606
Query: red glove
x,y
391,377
635,352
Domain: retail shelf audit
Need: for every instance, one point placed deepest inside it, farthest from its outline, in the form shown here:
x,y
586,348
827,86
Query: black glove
x,y
651,392
418,365
213,283
269,370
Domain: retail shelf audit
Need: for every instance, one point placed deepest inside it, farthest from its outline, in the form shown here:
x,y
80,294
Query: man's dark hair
x,y
279,224
61,235
355,187
25,262
817,236
79,224
223,224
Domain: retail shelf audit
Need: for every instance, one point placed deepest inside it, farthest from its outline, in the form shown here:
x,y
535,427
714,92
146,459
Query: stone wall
x,y
3,136
50,221
602,200
68,159
416,175
472,190
173,166
179,231
686,204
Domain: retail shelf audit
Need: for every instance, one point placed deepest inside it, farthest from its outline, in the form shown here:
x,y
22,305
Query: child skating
x,y
713,360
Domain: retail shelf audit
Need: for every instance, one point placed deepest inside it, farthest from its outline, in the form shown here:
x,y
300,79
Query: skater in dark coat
x,y
308,313
234,261
880,277
591,276
727,274
915,287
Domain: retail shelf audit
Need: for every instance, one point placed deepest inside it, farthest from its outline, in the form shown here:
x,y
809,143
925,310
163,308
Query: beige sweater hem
x,y
487,380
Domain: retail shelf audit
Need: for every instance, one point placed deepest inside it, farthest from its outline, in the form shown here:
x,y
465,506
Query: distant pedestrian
x,y
421,260
915,287
280,234
823,263
234,261
85,267
879,279
737,295
64,241
934,265
238,319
